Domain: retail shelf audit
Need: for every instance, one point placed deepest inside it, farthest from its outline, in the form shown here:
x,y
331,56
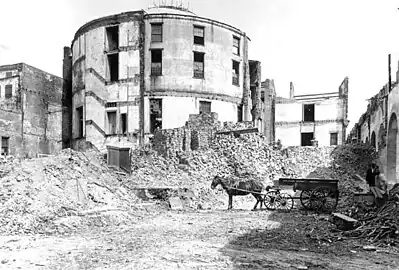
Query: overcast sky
x,y
313,43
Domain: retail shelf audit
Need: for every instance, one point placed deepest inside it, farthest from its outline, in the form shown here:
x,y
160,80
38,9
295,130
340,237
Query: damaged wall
x,y
325,121
378,127
31,113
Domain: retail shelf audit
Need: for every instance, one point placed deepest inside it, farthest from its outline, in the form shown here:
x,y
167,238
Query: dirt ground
x,y
206,239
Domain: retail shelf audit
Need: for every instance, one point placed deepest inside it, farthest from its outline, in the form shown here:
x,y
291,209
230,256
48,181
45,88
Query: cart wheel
x,y
306,199
285,202
325,199
270,200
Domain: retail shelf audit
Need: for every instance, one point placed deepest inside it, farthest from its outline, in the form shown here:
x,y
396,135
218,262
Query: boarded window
x,y
236,45
156,62
199,65
8,74
156,32
236,73
334,138
4,145
308,112
205,107
8,91
199,37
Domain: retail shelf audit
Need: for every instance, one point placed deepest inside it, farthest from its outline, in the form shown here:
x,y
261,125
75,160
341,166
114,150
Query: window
x,y
8,74
112,38
79,116
204,107
113,65
111,123
155,114
123,123
199,65
8,91
334,138
199,37
4,145
306,138
236,73
308,112
236,45
156,62
156,32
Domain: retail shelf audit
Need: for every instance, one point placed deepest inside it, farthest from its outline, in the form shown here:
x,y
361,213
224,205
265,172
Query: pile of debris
x,y
49,195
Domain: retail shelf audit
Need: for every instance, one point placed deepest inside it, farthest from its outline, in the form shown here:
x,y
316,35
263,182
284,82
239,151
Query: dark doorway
x,y
308,112
205,107
111,123
79,116
113,65
306,138
373,140
155,114
123,123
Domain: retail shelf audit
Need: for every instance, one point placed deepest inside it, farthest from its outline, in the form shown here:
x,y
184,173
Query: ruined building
x,y
30,111
378,126
131,73
315,119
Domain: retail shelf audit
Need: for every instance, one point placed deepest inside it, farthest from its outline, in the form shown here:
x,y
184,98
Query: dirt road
x,y
195,240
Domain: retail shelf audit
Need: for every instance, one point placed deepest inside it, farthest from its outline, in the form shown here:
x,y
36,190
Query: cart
x,y
316,194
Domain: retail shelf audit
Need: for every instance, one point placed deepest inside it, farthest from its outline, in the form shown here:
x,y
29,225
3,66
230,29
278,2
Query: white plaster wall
x,y
177,62
330,109
364,132
288,112
322,133
289,135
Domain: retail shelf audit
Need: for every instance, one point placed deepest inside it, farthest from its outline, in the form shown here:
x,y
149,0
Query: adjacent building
x,y
30,111
378,126
305,120
131,73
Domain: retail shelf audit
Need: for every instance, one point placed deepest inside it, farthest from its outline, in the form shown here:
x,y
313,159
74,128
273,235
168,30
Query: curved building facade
x,y
137,71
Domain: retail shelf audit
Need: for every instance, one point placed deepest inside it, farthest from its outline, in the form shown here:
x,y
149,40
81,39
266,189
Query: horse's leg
x,y
230,201
257,201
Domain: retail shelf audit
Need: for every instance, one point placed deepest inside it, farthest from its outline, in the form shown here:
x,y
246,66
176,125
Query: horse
x,y
239,188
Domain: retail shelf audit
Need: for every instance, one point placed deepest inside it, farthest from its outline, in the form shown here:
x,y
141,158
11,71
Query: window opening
x,y
8,91
236,73
199,65
205,107
308,112
4,145
111,123
334,138
156,32
113,64
236,45
155,114
199,37
112,38
306,138
156,62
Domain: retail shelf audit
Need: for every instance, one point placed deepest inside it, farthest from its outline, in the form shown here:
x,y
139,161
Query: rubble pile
x,y
376,225
42,195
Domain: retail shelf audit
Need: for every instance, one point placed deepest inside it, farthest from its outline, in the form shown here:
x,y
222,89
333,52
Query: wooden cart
x,y
317,194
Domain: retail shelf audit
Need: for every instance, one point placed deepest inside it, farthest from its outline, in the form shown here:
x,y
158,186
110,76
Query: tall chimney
x,y
292,93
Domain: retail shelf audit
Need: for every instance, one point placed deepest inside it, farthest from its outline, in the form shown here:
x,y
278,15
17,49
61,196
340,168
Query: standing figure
x,y
370,175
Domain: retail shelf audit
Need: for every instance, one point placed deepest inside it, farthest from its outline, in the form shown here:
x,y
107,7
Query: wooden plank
x,y
238,132
344,217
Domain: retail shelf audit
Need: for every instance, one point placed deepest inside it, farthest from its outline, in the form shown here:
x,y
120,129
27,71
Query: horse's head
x,y
216,181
